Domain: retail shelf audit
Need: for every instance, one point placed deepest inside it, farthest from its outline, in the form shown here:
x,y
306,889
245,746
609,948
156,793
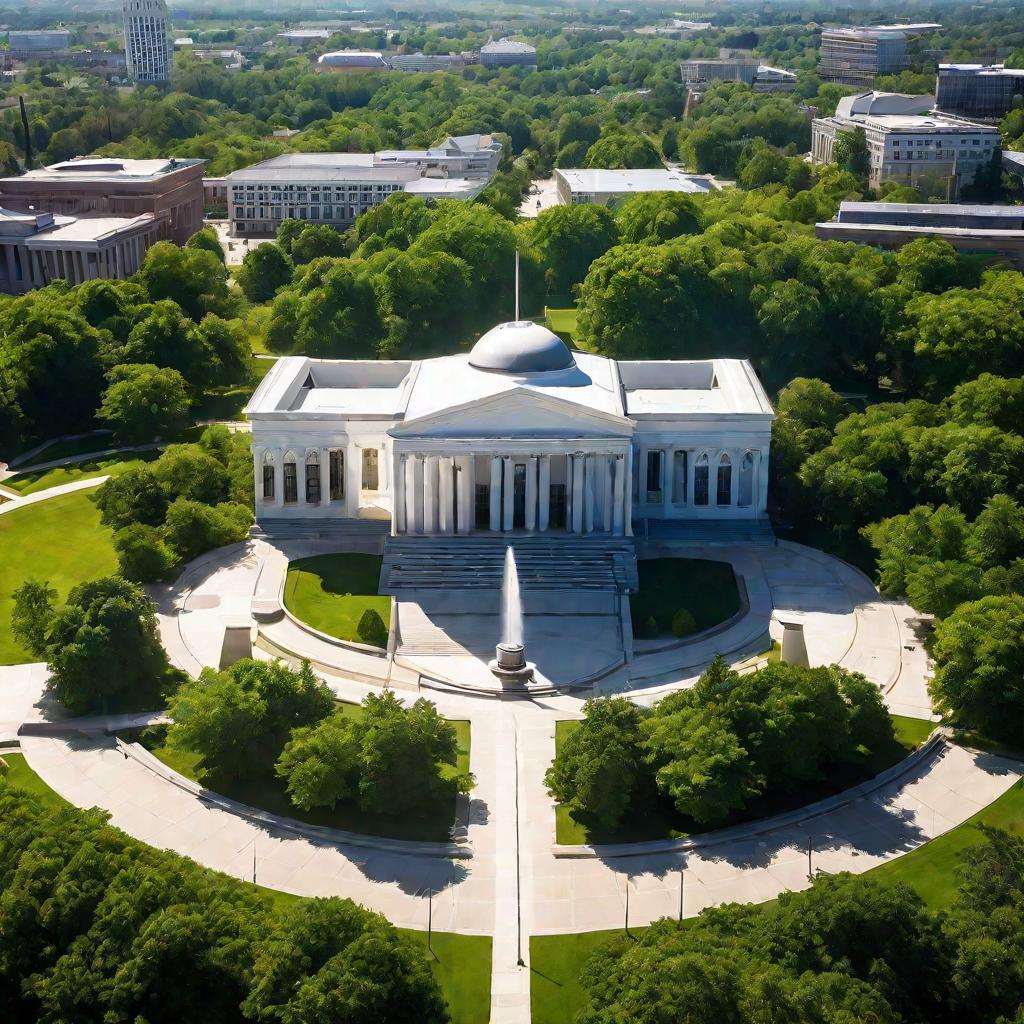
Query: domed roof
x,y
520,346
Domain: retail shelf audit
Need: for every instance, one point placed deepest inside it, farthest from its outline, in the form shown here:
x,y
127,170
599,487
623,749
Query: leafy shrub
x,y
142,555
371,629
683,623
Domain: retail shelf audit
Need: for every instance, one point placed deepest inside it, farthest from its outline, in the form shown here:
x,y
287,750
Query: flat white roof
x,y
106,168
455,188
643,180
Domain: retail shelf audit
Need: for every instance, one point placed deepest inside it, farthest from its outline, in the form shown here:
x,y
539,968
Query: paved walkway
x,y
51,492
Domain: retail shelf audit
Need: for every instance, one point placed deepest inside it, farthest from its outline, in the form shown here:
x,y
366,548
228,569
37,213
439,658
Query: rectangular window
x,y
291,484
654,464
679,467
724,495
268,483
370,469
700,485
312,483
337,467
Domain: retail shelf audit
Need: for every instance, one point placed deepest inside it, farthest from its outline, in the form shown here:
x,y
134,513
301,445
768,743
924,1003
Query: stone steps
x,y
707,531
340,530
478,563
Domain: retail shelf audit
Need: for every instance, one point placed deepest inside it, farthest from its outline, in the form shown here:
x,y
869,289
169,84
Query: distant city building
x,y
577,185
977,90
994,230
147,40
906,143
352,61
38,44
39,248
690,26
183,43
507,53
170,190
300,38
230,60
760,77
335,188
853,56
426,62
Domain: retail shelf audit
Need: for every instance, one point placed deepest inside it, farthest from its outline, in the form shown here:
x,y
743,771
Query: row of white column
x,y
350,468
436,494
41,266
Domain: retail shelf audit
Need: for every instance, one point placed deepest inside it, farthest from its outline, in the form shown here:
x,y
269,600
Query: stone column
x,y
619,499
353,479
606,493
301,469
544,492
577,492
734,478
690,460
628,520
325,477
760,490
495,523
278,476
398,510
508,493
257,474
410,493
430,494
445,494
588,493
467,491
667,474
418,488
531,493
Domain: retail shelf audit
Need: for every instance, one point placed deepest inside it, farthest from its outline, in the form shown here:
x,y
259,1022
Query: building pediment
x,y
517,412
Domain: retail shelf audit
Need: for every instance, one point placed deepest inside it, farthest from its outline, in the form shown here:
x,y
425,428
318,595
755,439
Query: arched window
x,y
679,472
700,480
313,477
724,490
370,481
291,480
268,476
746,495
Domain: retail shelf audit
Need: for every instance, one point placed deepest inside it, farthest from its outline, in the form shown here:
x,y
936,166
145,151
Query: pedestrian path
x,y
51,492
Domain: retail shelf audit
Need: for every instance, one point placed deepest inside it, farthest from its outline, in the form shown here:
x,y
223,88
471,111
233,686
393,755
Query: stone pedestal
x,y
794,648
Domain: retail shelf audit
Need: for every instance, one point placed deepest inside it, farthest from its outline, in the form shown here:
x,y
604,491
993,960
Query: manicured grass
x,y
661,821
461,963
270,794
562,321
21,775
60,541
331,592
556,995
109,465
707,589
227,403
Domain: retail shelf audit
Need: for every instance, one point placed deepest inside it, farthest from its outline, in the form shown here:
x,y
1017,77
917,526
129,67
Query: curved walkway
x,y
51,492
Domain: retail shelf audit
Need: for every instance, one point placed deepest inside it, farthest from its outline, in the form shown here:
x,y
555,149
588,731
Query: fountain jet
x,y
510,664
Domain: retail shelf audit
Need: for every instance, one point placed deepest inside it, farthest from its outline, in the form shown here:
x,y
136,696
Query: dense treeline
x,y
98,926
848,949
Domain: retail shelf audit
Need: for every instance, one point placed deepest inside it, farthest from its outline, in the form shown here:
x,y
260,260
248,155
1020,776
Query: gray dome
x,y
520,346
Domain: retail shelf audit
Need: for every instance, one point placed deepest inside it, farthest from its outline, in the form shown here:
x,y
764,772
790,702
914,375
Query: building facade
x,y
352,61
147,40
585,185
977,90
520,434
38,45
507,53
426,62
335,188
934,150
39,248
853,56
170,190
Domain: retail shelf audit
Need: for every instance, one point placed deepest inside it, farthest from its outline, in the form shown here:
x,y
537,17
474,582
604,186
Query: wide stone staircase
x,y
729,531
543,562
343,531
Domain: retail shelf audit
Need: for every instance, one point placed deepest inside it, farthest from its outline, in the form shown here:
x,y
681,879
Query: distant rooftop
x,y
353,58
507,46
643,180
874,31
103,168
323,167
982,69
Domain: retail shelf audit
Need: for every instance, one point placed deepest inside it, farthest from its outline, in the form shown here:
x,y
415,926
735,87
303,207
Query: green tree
x,y
264,270
194,278
240,719
321,763
599,770
192,527
850,151
34,608
142,555
314,241
206,239
100,646
144,402
655,217
568,239
136,496
979,675
622,148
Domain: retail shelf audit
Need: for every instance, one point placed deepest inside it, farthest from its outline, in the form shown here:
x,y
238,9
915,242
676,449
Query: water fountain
x,y
510,664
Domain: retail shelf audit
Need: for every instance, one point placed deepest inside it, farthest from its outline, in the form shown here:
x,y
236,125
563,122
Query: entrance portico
x,y
537,486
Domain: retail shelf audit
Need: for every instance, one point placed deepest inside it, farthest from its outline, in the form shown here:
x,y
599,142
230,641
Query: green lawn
x,y
66,449
227,403
556,995
331,592
461,963
110,465
562,321
661,821
60,541
269,794
707,589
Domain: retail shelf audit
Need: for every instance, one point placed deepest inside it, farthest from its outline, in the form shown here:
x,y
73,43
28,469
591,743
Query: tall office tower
x,y
147,40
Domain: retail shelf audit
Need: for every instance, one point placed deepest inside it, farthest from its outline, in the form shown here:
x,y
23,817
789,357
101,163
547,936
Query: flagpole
x,y
517,284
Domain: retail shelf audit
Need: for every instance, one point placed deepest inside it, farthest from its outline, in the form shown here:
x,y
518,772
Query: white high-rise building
x,y
147,40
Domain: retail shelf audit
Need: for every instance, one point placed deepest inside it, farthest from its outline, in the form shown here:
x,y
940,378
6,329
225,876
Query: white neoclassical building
x,y
520,434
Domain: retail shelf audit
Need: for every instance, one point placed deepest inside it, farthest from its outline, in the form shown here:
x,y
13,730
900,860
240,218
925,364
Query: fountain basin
x,y
510,664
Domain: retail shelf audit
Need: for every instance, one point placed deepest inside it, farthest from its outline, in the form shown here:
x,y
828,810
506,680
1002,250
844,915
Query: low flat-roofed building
x,y
977,90
335,188
38,44
698,73
39,248
993,230
582,185
171,190
506,53
907,143
426,62
300,38
352,61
